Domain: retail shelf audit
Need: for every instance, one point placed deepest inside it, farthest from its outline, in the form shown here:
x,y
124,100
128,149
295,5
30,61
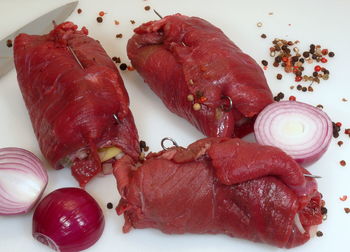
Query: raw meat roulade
x,y
80,113
221,185
197,72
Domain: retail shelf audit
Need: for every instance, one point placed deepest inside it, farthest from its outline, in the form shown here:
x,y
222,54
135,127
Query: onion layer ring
x,y
302,131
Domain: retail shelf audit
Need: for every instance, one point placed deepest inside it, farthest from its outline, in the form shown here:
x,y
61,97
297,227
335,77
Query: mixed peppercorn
x,y
287,55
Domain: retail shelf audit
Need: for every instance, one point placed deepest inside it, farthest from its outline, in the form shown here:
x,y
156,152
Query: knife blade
x,y
41,25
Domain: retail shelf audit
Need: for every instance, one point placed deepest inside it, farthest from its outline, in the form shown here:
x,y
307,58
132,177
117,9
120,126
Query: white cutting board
x,y
321,22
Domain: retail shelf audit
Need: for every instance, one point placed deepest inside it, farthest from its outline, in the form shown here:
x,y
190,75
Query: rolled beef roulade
x,y
76,99
221,185
200,74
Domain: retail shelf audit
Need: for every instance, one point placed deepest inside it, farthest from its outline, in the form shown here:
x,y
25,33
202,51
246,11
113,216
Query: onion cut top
x,y
302,131
23,179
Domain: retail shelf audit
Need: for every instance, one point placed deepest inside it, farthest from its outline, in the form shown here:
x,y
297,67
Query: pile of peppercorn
x,y
287,55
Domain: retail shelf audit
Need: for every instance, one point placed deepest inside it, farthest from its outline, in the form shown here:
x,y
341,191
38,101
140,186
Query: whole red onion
x,y
68,219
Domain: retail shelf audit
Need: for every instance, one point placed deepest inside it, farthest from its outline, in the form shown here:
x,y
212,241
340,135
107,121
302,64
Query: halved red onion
x,y
67,220
299,129
22,180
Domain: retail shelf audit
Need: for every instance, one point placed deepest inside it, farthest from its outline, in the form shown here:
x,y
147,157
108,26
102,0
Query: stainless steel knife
x,y
41,25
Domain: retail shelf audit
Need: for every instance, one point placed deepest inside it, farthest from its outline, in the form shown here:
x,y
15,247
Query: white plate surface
x,y
321,22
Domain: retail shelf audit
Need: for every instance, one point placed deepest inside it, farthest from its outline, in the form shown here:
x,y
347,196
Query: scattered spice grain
x,y
9,43
340,143
324,51
116,59
263,36
279,76
190,97
197,106
99,19
109,205
264,62
119,35
79,11
347,210
319,234
132,21
343,198
336,129
342,163
123,66
147,8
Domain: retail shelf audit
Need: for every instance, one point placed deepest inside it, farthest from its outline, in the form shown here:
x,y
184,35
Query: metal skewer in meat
x,y
221,185
76,100
200,74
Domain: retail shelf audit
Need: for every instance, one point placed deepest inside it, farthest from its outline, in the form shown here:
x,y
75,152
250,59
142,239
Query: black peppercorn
x,y
9,43
278,59
319,234
331,54
264,62
280,95
123,66
295,58
306,54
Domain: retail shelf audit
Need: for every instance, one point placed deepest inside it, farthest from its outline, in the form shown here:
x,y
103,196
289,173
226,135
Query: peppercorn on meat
x,y
200,74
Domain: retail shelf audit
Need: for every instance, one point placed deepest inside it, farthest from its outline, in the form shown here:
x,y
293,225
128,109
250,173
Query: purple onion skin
x,y
68,219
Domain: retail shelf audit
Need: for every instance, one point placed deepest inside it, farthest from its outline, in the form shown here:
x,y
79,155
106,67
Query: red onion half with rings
x,y
67,220
22,180
302,131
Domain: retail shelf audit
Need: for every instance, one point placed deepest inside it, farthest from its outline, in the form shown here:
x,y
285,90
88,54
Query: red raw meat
x,y
179,56
220,185
71,108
